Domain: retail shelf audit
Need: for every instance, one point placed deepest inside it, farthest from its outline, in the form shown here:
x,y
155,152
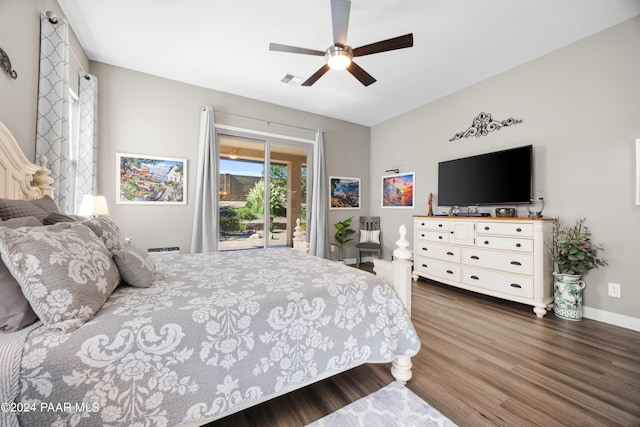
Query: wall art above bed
x,y
146,179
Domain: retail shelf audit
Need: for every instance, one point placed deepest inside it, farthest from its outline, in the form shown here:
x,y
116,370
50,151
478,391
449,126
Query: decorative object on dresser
x,y
574,254
502,257
482,125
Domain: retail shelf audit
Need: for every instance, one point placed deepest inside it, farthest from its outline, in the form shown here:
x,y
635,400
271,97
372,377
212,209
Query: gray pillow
x,y
56,217
20,208
105,228
64,270
135,265
15,311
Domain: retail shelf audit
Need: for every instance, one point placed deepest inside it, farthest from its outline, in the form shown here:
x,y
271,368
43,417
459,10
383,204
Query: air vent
x,y
292,80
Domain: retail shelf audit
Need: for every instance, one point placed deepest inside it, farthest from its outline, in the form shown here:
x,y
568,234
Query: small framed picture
x,y
398,190
344,192
143,179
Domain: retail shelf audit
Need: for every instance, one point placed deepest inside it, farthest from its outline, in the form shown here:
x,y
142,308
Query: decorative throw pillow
x,y
15,311
370,236
56,217
105,228
20,208
64,270
135,265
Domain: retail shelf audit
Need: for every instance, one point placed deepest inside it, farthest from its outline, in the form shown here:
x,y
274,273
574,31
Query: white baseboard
x,y
616,319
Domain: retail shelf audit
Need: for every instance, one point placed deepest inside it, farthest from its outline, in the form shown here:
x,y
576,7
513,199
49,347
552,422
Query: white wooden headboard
x,y
19,178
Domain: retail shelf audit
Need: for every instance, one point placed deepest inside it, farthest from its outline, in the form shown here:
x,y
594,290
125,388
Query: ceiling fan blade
x,y
292,49
311,80
340,10
360,74
386,45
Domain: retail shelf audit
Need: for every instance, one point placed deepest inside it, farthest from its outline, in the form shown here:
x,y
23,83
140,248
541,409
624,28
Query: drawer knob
x,y
515,263
425,249
440,237
422,235
450,253
515,285
487,228
425,265
440,225
518,245
475,277
449,271
518,229
475,257
486,242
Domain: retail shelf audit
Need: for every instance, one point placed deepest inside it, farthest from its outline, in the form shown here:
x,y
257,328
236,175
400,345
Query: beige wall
x,y
580,107
20,38
143,114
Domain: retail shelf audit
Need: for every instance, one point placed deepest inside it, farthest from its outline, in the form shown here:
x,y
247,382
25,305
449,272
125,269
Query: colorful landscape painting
x,y
151,180
397,190
345,192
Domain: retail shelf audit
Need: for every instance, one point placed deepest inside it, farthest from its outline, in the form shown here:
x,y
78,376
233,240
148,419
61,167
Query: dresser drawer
x,y
520,263
433,236
505,228
443,252
432,224
511,284
506,243
439,268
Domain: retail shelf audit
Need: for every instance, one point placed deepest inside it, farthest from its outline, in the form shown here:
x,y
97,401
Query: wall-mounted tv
x,y
500,177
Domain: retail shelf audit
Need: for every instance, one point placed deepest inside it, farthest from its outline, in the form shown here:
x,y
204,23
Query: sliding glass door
x,y
262,191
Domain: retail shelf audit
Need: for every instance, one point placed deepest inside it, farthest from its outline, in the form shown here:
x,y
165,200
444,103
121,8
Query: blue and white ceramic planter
x,y
567,292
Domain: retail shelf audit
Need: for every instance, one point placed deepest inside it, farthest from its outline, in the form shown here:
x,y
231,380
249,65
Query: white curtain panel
x,y
52,130
204,237
318,228
87,170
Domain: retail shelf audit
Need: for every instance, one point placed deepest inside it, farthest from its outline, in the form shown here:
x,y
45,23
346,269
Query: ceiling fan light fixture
x,y
339,58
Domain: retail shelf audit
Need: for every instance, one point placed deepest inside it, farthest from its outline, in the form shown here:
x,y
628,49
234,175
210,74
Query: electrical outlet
x,y
615,290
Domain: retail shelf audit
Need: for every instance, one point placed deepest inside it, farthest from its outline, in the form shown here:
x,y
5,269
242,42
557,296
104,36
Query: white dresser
x,y
507,258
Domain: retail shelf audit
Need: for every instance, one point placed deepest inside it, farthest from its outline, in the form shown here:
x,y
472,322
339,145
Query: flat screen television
x,y
497,178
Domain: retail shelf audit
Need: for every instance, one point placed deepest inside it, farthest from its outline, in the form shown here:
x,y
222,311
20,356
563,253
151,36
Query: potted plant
x,y
342,236
574,254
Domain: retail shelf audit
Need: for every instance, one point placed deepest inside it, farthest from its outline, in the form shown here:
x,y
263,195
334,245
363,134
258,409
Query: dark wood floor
x,y
487,362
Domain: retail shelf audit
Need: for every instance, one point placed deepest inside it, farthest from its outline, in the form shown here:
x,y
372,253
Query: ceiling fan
x,y
340,55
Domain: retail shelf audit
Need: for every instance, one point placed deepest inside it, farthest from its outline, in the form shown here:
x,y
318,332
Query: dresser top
x,y
484,218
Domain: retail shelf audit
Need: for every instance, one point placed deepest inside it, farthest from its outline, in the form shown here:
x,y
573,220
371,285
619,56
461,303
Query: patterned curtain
x,y
52,129
319,230
87,170
204,237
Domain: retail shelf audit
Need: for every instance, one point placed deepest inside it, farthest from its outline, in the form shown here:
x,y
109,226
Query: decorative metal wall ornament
x,y
482,125
6,64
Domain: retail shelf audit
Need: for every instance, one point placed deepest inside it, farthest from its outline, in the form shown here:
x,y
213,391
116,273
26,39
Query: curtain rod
x,y
53,19
268,122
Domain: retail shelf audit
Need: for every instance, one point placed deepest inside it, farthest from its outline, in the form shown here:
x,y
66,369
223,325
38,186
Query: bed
x,y
191,339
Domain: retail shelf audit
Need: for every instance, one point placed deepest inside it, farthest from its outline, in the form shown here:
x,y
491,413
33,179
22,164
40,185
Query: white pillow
x,y
370,236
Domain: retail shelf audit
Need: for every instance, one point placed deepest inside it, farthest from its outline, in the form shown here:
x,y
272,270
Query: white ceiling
x,y
224,45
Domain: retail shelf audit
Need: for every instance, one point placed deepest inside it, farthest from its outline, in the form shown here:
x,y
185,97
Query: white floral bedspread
x,y
214,331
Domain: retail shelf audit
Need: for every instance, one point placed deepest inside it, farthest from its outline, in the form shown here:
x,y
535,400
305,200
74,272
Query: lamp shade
x,y
93,205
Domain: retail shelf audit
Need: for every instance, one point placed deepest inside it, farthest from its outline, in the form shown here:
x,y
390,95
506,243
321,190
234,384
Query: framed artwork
x,y
344,192
398,190
154,180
